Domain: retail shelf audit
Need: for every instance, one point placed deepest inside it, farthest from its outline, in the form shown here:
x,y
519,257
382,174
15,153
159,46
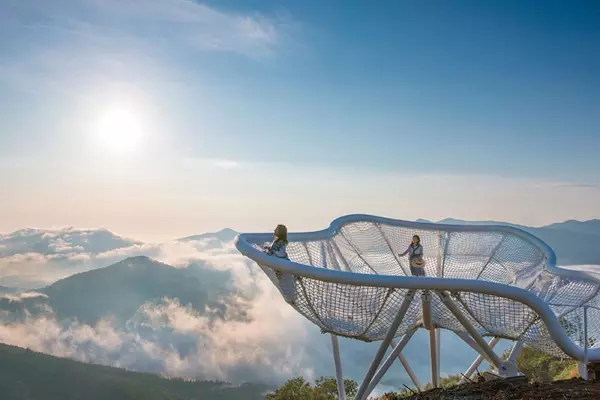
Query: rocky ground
x,y
513,389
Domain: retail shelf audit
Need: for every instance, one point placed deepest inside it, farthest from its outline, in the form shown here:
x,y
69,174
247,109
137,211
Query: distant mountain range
x,y
224,235
62,241
25,374
119,290
574,242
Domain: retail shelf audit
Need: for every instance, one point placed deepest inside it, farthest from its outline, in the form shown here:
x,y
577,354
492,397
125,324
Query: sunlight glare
x,y
120,130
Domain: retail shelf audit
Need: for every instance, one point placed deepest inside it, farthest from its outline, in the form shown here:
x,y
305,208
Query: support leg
x,y
496,361
438,334
407,367
583,365
386,342
338,367
435,378
477,362
396,352
511,363
428,324
467,339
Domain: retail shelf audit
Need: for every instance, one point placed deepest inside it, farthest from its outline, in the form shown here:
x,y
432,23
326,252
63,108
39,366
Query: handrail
x,y
564,342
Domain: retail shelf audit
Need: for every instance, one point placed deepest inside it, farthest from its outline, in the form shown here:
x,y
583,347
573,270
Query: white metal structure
x,y
481,282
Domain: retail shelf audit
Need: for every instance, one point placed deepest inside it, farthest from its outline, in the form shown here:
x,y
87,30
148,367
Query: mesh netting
x,y
366,313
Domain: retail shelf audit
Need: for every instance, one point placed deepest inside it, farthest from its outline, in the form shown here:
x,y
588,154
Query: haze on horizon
x,y
162,119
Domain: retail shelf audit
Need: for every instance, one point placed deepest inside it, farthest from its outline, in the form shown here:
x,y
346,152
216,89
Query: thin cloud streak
x,y
87,41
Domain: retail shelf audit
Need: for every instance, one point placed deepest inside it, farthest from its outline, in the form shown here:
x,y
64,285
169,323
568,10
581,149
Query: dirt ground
x,y
514,389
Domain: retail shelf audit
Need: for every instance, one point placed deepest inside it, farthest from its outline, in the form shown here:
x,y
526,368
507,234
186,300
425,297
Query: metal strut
x,y
406,365
493,357
396,352
386,342
338,367
477,362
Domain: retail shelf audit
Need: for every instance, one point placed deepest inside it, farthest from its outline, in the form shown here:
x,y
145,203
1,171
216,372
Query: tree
x,y
542,367
325,388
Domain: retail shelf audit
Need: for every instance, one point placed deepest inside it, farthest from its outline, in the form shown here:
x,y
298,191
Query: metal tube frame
x,y
385,343
496,361
407,367
396,352
473,367
338,367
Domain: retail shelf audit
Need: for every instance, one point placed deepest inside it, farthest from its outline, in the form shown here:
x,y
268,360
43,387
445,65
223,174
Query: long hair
x,y
281,233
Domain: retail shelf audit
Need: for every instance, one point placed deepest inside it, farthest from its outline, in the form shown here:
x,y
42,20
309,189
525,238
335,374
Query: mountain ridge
x,y
25,374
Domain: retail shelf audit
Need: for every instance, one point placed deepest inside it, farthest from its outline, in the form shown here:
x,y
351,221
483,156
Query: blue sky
x,y
489,109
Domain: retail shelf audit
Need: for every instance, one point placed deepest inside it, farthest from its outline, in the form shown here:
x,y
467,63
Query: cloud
x,y
271,344
90,42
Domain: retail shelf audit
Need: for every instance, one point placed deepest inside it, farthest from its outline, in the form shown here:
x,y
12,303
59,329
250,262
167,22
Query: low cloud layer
x,y
271,344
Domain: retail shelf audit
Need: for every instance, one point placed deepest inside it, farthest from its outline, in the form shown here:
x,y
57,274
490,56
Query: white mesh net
x,y
365,313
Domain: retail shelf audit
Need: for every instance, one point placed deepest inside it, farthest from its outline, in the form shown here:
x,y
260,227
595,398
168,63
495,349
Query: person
x,y
415,256
280,242
287,281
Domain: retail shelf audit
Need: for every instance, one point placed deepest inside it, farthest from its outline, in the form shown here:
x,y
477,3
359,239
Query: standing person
x,y
415,256
280,242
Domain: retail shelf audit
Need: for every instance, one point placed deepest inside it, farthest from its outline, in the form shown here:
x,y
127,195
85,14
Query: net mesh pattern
x,y
366,313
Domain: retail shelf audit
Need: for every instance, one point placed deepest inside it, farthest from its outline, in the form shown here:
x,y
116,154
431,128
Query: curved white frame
x,y
550,319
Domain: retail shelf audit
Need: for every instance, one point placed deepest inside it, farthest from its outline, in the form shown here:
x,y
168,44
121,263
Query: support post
x,y
516,350
396,352
407,367
338,367
426,304
468,340
477,362
496,361
511,363
428,324
435,378
438,334
384,344
583,366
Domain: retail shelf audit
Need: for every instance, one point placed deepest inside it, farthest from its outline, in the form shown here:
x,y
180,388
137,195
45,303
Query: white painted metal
x,y
477,362
338,367
496,361
385,343
438,351
585,344
435,378
409,371
404,361
537,281
468,340
396,352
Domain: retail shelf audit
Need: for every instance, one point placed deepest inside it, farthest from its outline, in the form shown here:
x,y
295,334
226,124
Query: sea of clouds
x,y
271,344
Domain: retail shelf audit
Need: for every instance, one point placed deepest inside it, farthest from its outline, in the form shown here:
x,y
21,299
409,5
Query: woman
x,y
287,281
415,256
277,248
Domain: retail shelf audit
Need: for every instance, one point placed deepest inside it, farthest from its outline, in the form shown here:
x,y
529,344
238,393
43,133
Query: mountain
x,y
591,227
63,241
224,235
9,290
120,289
574,242
25,374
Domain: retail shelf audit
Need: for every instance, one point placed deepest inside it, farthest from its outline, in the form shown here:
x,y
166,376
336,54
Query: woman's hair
x,y
281,233
418,239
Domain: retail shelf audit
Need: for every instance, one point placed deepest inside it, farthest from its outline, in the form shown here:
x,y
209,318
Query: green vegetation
x,y
541,367
27,375
538,366
325,388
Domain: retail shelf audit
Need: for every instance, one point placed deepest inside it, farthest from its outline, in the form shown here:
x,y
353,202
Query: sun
x,y
119,130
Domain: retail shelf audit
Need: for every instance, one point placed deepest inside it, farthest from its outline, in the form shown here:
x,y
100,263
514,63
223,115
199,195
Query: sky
x,y
165,118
